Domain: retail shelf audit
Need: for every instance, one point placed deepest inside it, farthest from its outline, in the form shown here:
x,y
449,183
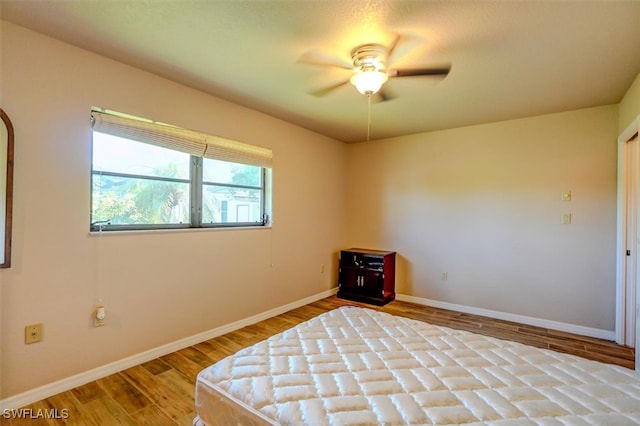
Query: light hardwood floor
x,y
161,391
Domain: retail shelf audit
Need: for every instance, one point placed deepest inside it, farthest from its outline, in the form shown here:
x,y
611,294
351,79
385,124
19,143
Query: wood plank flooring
x,y
161,391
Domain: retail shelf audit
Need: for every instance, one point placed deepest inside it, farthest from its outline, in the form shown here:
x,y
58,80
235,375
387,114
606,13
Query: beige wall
x,y
483,203
157,287
629,106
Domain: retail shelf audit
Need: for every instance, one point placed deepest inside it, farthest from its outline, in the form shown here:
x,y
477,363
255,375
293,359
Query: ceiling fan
x,y
369,66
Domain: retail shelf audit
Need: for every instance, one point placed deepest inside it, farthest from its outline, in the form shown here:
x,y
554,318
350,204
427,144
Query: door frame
x,y
631,314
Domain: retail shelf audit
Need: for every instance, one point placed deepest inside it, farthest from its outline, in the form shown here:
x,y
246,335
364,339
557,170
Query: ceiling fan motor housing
x,y
369,57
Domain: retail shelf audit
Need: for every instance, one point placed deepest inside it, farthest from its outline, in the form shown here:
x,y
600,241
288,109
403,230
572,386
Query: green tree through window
x,y
138,186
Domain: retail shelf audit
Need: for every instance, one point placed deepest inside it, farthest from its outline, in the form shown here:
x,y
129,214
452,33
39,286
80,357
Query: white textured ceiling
x,y
509,59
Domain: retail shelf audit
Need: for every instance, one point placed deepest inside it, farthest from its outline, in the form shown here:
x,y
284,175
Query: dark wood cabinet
x,y
367,276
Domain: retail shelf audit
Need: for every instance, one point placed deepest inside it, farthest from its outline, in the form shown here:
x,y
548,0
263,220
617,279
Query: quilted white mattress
x,y
358,366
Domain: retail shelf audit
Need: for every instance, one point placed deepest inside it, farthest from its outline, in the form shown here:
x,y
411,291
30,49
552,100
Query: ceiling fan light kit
x,y
369,82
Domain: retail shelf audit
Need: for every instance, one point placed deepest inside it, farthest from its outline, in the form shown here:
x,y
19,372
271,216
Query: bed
x,y
358,366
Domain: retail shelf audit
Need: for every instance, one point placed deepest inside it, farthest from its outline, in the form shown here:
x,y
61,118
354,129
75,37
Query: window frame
x,y
196,212
196,192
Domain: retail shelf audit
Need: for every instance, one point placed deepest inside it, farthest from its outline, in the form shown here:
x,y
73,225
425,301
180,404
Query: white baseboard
x,y
80,379
553,325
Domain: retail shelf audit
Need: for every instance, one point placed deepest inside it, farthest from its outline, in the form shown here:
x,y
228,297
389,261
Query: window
x,y
148,175
231,192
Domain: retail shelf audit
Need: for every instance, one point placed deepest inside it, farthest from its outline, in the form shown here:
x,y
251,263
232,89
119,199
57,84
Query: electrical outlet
x,y
32,333
444,276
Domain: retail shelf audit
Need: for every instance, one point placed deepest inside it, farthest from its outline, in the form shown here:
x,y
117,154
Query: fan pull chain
x,y
368,115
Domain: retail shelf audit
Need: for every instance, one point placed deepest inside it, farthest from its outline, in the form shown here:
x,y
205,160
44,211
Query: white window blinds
x,y
176,138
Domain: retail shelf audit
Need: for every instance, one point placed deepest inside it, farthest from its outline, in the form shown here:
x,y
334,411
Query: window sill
x,y
178,230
